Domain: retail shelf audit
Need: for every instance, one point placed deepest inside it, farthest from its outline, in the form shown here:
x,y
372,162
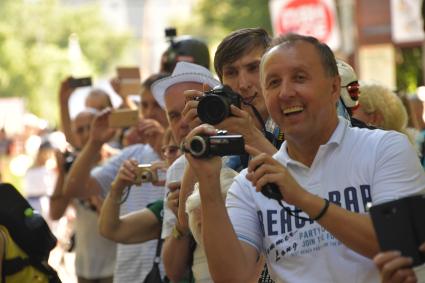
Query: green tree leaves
x,y
34,48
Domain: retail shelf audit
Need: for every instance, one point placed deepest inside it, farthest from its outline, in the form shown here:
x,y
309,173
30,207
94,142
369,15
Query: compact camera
x,y
146,174
214,105
218,145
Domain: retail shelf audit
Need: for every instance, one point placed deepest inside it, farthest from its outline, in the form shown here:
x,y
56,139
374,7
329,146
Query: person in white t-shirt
x,y
326,172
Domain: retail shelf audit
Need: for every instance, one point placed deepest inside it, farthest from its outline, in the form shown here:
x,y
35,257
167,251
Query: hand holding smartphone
x,y
80,82
123,118
400,225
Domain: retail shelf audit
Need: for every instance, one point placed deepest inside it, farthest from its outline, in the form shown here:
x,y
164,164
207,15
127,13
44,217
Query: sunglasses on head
x,y
353,90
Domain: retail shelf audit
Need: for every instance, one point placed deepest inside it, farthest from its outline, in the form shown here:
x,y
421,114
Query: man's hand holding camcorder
x,y
204,168
264,169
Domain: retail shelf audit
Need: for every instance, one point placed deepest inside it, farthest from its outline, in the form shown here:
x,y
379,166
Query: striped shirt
x,y
133,261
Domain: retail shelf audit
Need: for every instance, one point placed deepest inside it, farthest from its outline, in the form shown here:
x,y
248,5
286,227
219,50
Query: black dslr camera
x,y
214,105
218,145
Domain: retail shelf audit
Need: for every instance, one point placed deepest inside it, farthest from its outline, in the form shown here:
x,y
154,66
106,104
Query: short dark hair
x,y
237,44
327,57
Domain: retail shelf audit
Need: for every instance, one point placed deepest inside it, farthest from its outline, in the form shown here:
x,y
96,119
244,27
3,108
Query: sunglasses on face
x,y
170,150
353,90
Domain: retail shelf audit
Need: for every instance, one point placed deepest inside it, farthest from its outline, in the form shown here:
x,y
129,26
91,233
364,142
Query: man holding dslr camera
x,y
322,171
236,62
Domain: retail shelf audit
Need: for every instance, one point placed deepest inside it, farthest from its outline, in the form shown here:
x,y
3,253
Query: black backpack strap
x,y
14,265
44,267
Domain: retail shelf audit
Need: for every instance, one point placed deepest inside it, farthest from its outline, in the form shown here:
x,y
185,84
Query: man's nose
x,y
244,82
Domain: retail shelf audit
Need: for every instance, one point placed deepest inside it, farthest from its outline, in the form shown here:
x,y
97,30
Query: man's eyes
x,y
273,83
230,73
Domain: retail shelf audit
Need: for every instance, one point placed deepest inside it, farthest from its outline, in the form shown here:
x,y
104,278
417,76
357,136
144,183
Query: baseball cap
x,y
183,72
349,84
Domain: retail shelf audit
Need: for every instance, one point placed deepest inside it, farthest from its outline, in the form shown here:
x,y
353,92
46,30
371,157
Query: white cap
x,y
348,76
183,72
175,171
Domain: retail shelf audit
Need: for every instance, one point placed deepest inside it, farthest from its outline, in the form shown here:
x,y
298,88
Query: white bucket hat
x,y
183,72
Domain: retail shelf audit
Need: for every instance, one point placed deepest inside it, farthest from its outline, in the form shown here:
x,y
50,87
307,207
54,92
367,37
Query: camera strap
x,y
257,115
275,140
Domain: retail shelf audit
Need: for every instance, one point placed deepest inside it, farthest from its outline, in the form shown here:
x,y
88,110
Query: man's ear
x,y
205,87
336,88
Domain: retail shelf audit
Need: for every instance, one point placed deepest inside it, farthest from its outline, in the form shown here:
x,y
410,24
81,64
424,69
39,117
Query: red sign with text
x,y
308,17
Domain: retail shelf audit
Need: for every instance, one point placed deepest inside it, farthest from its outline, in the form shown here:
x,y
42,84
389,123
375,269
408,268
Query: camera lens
x,y
146,176
197,146
213,109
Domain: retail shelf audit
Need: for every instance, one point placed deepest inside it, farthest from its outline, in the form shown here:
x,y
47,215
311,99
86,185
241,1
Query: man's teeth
x,y
291,110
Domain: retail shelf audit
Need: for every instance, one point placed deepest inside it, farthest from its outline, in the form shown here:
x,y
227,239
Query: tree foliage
x,y
214,19
235,14
34,48
409,69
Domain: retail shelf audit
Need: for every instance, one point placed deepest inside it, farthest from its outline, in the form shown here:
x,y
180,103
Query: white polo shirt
x,y
355,167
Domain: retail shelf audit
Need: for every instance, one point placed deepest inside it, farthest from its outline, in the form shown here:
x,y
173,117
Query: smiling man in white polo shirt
x,y
325,172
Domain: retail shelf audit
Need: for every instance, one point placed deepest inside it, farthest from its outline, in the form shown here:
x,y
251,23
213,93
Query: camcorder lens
x,y
197,146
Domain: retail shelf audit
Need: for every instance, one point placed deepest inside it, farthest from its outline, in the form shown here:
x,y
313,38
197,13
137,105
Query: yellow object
x,y
176,233
12,250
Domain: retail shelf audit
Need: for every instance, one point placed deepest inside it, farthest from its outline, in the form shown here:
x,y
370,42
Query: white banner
x,y
406,21
317,18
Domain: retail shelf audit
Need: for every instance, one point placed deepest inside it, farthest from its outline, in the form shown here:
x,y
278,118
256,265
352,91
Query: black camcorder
x,y
214,105
217,145
222,145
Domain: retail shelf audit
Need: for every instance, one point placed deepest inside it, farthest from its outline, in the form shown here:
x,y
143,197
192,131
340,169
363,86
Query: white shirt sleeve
x,y
398,172
169,219
242,211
